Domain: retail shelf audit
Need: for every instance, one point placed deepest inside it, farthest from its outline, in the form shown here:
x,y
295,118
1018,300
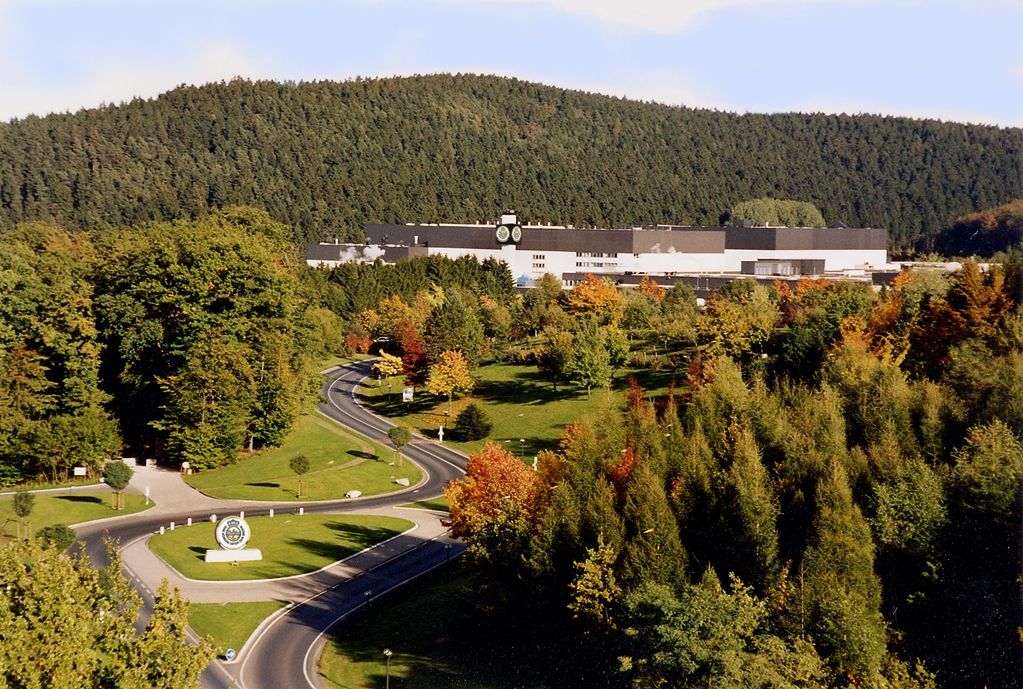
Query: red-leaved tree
x,y
493,507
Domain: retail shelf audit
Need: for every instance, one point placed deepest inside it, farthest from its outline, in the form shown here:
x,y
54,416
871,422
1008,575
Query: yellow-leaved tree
x,y
451,375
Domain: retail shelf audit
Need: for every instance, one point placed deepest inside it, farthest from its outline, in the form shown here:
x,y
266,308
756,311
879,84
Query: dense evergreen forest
x,y
328,157
830,497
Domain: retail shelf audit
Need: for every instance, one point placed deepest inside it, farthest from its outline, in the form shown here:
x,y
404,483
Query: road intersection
x,y
282,653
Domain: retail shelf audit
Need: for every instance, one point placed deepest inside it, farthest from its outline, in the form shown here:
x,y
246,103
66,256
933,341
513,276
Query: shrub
x,y
471,424
59,536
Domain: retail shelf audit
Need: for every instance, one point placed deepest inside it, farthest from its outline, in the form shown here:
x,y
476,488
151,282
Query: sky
x,y
958,60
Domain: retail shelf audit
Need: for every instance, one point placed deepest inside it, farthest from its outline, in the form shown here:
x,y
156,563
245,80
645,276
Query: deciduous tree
x,y
451,375
492,507
117,475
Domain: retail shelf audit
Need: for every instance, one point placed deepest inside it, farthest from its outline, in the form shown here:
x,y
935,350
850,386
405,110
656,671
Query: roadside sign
x,y
406,394
80,471
229,655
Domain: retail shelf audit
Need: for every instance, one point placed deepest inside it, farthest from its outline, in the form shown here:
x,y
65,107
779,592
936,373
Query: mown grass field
x,y
229,625
439,637
528,414
69,508
339,461
291,545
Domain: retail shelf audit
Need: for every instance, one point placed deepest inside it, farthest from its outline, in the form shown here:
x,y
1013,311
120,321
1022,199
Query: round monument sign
x,y
233,533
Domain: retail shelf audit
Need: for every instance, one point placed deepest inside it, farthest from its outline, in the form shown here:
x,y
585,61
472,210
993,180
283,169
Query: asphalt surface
x,y
284,653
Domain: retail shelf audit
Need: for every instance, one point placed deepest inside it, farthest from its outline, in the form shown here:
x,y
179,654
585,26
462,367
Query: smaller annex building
x,y
664,252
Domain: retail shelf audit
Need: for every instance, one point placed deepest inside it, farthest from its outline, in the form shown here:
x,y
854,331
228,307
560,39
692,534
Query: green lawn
x,y
69,508
291,545
528,415
440,503
229,624
442,637
338,462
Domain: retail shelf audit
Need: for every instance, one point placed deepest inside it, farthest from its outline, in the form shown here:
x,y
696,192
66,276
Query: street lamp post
x,y
387,672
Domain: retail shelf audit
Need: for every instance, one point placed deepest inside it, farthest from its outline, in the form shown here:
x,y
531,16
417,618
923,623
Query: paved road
x,y
283,654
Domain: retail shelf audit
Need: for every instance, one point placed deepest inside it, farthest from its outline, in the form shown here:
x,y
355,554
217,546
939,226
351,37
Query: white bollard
x,y
213,517
189,521
161,531
301,511
241,515
172,526
271,513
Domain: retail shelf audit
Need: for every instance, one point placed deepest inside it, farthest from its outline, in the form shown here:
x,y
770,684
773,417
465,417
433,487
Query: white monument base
x,y
244,554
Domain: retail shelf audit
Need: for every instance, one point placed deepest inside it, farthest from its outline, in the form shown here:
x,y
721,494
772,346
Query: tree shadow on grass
x,y
363,455
352,539
396,407
264,484
529,387
81,498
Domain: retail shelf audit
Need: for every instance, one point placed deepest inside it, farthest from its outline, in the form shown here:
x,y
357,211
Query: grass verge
x,y
440,504
441,636
291,545
69,508
229,625
338,462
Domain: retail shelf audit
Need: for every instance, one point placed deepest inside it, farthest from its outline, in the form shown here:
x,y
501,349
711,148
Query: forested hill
x,y
328,157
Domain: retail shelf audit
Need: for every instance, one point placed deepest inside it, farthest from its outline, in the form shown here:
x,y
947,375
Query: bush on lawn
x,y
472,424
59,536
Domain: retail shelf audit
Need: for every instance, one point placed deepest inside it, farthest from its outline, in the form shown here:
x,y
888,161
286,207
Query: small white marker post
x,y
241,515
162,531
301,511
271,513
213,517
189,521
147,495
172,526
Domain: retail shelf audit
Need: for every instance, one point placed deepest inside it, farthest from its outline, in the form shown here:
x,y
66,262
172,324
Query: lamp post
x,y
387,672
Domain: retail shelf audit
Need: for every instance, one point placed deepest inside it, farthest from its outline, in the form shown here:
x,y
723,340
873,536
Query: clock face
x,y
502,233
516,234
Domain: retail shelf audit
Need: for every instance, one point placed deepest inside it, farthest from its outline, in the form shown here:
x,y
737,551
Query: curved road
x,y
285,652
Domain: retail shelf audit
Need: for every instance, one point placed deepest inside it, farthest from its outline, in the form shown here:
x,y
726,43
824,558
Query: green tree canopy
x,y
778,213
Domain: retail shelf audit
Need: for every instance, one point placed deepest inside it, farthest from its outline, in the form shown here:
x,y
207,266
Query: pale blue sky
x,y
956,60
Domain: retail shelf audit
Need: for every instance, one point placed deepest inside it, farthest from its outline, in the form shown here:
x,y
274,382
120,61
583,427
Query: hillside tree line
x,y
326,158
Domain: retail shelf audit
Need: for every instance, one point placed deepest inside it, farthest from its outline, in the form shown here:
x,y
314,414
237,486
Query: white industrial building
x,y
664,252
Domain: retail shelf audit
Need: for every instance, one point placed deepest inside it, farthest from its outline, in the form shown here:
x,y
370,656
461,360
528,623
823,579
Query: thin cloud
x,y
115,82
658,16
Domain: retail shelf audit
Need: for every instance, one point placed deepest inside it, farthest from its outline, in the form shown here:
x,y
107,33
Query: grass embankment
x,y
229,624
441,639
69,508
291,545
527,413
338,462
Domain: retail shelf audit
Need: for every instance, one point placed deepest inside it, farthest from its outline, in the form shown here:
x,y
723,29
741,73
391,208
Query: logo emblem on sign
x,y
232,533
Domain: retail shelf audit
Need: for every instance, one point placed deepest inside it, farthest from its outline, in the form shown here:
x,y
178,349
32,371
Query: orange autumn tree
x,y
650,287
598,297
493,507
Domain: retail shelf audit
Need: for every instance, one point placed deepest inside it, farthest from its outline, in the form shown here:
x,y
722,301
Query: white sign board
x,y
81,471
406,394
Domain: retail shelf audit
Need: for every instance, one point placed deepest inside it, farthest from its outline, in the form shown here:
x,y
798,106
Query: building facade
x,y
664,251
